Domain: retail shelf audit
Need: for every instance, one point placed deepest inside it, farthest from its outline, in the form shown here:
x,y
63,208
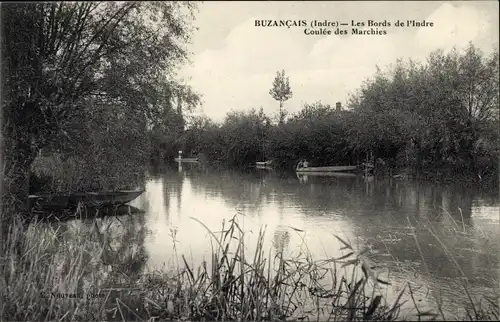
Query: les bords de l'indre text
x,y
347,27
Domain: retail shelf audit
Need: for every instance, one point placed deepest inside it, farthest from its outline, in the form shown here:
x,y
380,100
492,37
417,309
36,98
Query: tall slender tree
x,y
281,91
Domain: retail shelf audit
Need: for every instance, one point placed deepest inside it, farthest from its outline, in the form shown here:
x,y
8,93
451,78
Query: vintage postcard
x,y
240,160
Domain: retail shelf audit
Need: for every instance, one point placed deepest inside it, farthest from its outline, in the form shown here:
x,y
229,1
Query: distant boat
x,y
327,174
342,168
345,168
402,176
87,199
186,159
264,163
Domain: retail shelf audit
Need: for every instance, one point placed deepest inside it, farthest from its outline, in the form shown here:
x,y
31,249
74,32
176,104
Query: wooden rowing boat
x,y
87,199
264,163
341,168
344,168
327,174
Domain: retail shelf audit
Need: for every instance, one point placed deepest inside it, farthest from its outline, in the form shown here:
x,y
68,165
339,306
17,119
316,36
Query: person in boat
x,y
305,164
300,164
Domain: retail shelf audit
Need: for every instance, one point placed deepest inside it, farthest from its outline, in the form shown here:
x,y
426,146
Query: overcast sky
x,y
234,62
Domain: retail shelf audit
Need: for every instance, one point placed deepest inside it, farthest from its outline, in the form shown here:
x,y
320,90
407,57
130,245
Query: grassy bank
x,y
58,174
89,279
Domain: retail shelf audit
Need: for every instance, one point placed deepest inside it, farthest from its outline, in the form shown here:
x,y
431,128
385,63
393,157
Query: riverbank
x,y
91,279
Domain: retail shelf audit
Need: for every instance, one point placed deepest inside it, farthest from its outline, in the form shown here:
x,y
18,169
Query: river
x,y
412,230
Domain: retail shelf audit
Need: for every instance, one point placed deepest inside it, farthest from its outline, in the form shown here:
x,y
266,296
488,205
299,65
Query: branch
x,y
101,30
96,55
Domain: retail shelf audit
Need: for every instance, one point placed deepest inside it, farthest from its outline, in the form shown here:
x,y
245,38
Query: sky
x,y
234,62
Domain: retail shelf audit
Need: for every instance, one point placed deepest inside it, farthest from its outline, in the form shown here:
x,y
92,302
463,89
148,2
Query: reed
x,y
487,307
235,284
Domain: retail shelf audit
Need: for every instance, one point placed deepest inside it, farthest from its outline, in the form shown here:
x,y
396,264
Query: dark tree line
x,y
438,118
442,114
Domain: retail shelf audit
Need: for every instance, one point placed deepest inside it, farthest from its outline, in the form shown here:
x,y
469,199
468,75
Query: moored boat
x,y
264,163
345,168
87,199
341,168
327,174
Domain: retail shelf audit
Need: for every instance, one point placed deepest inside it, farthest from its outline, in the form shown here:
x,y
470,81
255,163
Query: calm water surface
x,y
392,219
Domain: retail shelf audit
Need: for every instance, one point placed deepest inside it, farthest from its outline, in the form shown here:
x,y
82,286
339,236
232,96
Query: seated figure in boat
x,y
305,164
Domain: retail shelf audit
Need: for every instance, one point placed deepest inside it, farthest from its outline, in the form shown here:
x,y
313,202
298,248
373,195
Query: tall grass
x,y
234,284
59,174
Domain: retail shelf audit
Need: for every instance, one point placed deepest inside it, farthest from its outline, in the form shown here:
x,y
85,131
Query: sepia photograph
x,y
249,161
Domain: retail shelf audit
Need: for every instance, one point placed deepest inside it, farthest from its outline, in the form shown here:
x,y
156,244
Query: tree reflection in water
x,y
114,256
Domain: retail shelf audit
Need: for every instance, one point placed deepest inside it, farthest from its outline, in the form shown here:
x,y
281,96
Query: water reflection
x,y
404,224
281,239
96,255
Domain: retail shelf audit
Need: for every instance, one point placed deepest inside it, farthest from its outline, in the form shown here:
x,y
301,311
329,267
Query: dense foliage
x,y
88,79
442,114
439,118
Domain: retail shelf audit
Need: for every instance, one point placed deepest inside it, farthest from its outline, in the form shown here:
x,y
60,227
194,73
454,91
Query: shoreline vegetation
x,y
90,98
396,120
82,279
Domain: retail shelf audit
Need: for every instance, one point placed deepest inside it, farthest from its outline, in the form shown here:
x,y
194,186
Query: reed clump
x,y
235,284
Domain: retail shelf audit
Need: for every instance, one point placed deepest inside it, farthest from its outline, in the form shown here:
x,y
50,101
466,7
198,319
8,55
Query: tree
x,y
281,91
60,60
439,114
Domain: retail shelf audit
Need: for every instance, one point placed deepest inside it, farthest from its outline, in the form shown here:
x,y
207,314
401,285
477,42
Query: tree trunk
x,y
281,113
418,157
18,161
